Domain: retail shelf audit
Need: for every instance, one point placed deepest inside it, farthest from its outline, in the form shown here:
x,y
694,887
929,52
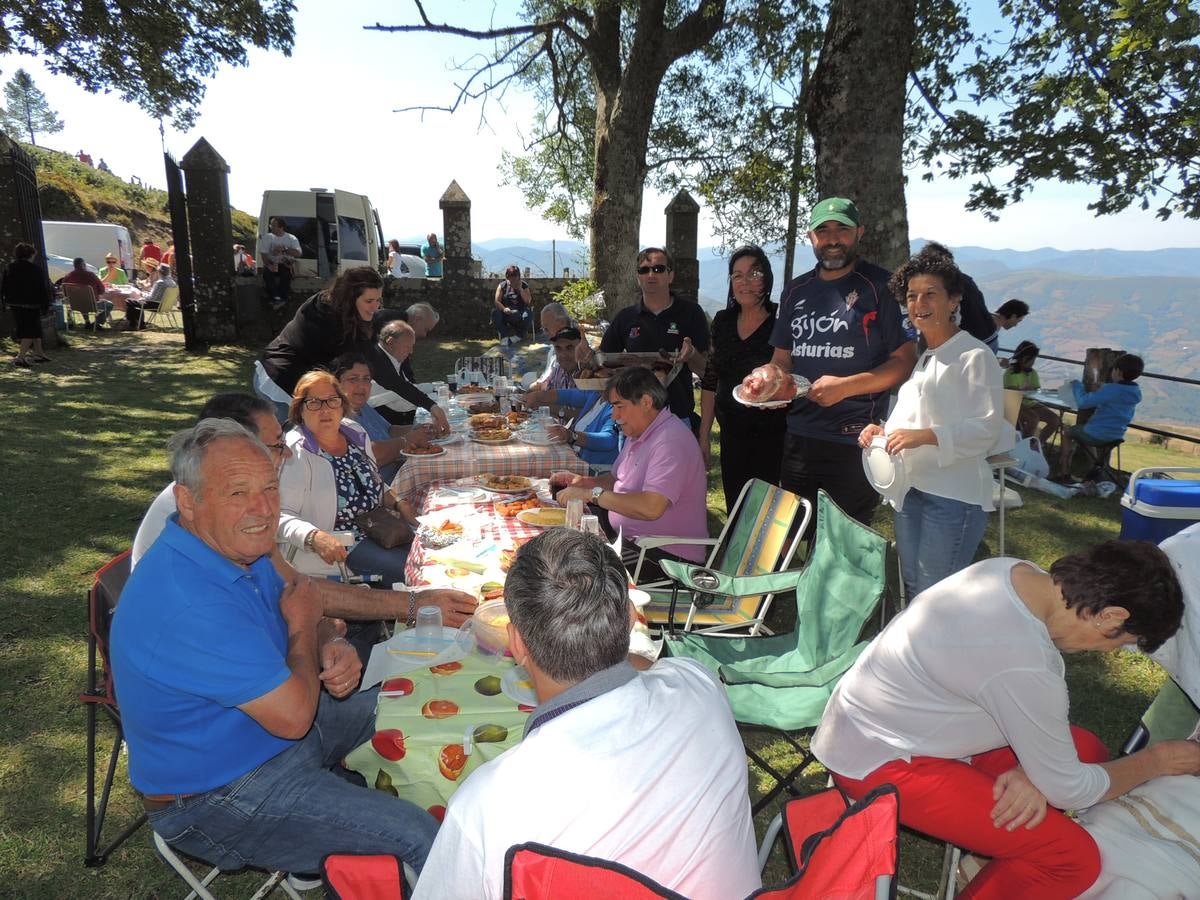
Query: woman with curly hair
x,y
326,325
948,418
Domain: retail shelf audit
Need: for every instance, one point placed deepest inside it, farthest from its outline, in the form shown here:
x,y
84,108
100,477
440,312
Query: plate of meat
x,y
769,387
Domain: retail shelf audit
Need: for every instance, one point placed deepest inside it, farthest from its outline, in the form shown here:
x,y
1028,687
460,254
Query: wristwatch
x,y
596,492
572,437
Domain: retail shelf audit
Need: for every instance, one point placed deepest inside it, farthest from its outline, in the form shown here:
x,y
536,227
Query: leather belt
x,y
157,802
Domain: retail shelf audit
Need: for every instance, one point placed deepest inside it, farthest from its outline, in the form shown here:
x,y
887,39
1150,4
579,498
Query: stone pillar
x,y
683,218
456,232
211,238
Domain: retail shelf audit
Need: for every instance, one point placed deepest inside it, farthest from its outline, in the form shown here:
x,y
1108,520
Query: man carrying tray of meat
x,y
840,327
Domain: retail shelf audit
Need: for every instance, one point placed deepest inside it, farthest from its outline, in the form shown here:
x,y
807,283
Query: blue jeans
x,y
506,324
368,558
935,537
292,811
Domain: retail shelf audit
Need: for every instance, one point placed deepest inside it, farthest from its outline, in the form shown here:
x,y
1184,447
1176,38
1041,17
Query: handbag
x,y
385,526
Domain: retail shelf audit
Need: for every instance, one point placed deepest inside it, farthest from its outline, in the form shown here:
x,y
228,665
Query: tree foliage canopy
x,y
154,54
26,110
1103,92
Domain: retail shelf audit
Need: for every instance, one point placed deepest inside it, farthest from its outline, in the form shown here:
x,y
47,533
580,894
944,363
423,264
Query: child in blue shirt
x,y
1113,403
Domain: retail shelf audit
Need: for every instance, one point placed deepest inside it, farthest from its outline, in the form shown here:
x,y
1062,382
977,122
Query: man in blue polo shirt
x,y
840,327
237,697
661,321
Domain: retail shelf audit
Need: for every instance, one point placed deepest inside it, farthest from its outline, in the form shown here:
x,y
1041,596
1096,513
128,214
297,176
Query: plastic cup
x,y
429,626
590,524
574,517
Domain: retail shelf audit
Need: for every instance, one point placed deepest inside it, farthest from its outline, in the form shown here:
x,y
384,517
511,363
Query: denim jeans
x,y
935,537
510,324
368,558
292,810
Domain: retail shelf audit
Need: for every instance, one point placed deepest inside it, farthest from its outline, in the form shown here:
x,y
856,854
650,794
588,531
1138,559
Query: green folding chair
x,y
760,537
1171,716
782,683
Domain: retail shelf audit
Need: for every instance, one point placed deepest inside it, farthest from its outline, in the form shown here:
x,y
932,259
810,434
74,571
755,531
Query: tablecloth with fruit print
x,y
426,722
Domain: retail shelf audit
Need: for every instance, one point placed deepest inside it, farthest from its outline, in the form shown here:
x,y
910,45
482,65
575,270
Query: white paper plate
x,y
453,496
480,440
446,441
513,689
802,387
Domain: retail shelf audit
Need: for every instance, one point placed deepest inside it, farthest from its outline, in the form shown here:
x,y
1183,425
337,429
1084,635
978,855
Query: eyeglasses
x,y
752,275
656,269
280,449
312,404
356,379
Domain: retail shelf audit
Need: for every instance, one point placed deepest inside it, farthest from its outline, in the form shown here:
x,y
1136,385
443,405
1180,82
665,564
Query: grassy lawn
x,y
84,454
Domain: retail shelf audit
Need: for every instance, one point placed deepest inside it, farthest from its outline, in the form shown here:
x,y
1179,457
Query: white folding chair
x,y
166,307
199,886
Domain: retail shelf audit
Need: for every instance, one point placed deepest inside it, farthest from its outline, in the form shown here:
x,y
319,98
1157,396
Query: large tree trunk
x,y
625,101
856,107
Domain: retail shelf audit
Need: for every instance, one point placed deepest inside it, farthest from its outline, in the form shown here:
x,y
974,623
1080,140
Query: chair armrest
x,y
817,676
650,541
730,585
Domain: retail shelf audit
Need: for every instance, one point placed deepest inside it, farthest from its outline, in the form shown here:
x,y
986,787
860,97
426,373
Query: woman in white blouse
x,y
949,417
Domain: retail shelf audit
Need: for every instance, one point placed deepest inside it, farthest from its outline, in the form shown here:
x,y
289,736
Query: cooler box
x,y
1156,508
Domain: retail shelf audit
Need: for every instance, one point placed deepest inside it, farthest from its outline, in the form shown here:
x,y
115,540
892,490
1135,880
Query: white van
x,y
337,230
91,240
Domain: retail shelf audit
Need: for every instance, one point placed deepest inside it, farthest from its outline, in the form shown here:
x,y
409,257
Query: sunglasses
x,y
656,269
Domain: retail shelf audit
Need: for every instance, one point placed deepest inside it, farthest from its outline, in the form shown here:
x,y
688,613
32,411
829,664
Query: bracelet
x,y
412,609
309,539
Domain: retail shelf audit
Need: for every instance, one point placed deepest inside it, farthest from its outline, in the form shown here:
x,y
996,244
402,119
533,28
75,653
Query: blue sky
x,y
324,118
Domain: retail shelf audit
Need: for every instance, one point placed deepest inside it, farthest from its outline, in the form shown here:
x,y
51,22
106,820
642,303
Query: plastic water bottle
x,y
505,404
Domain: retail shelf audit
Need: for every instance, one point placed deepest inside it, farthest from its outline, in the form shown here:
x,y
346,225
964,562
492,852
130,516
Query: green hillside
x,y
73,192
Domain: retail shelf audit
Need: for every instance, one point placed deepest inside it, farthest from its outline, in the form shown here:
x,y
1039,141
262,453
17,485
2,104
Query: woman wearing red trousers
x,y
961,703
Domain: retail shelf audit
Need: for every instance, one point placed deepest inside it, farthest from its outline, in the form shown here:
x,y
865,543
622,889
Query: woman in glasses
x,y
325,326
751,439
332,479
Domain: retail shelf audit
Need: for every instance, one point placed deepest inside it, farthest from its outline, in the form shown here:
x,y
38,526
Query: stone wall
x,y
463,303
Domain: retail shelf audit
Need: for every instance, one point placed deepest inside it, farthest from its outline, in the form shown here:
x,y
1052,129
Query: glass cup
x,y
429,626
452,382
575,514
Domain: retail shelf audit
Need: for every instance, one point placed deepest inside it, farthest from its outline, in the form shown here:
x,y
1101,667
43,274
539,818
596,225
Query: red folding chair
x,y
102,600
848,852
349,876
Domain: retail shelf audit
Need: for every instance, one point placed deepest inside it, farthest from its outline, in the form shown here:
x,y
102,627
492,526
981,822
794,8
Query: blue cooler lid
x,y
1168,492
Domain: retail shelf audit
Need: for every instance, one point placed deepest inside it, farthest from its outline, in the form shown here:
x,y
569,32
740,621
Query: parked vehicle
x,y
337,230
91,240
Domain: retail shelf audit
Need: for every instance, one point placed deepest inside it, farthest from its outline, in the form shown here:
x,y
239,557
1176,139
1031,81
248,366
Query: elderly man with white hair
x,y
237,696
388,359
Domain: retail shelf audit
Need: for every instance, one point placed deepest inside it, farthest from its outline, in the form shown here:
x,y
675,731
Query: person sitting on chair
x,y
644,768
658,484
1020,375
513,304
237,697
135,310
961,703
1113,403
80,275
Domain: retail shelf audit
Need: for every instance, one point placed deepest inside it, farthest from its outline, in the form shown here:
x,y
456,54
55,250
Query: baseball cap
x,y
834,209
566,334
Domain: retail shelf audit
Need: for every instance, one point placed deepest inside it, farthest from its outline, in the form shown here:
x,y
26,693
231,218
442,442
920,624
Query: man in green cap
x,y
840,327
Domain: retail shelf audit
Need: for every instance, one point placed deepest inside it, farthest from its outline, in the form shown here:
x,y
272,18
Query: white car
x,y
58,266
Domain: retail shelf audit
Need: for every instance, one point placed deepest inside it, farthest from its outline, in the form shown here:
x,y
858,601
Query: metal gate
x,y
177,204
29,207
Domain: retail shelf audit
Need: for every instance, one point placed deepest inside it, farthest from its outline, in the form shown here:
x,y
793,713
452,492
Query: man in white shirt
x,y
277,253
644,768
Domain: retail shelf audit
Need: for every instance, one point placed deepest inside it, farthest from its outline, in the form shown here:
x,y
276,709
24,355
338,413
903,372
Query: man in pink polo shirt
x,y
657,484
